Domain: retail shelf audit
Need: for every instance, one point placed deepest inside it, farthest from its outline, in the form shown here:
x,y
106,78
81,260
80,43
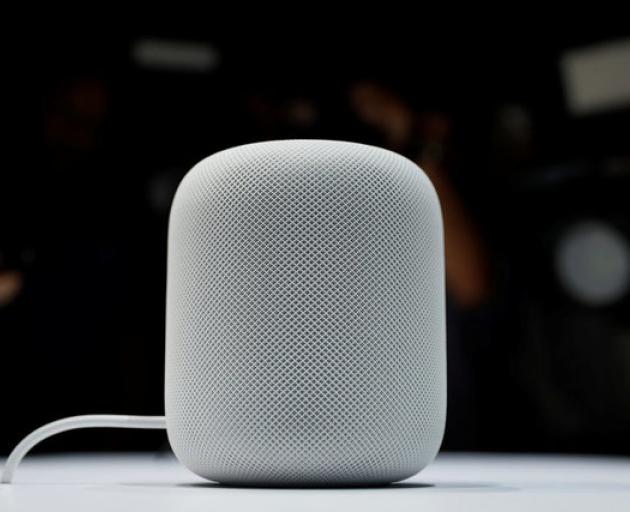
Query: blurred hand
x,y
10,286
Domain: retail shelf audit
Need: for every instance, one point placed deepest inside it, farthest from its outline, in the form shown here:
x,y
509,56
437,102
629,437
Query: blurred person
x,y
424,139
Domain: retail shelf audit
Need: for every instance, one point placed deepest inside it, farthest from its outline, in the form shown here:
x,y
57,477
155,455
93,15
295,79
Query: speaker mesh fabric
x,y
305,316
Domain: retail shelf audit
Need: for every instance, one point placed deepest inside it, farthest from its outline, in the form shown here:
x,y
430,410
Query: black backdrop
x,y
97,143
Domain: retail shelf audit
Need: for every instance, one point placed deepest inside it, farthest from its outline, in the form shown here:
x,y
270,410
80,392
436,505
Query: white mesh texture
x,y
305,316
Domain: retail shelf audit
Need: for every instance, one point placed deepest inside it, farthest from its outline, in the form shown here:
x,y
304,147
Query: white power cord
x,y
72,423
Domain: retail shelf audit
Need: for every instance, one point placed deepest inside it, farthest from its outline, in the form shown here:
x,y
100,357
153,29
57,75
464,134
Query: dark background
x,y
98,139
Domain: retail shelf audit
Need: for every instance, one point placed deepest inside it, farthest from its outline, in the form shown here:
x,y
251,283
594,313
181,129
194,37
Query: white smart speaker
x,y
305,328
305,325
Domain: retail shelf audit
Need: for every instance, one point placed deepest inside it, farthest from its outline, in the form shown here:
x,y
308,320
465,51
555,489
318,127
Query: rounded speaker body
x,y
305,316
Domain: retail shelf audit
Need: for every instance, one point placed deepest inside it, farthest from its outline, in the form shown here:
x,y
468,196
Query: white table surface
x,y
93,483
